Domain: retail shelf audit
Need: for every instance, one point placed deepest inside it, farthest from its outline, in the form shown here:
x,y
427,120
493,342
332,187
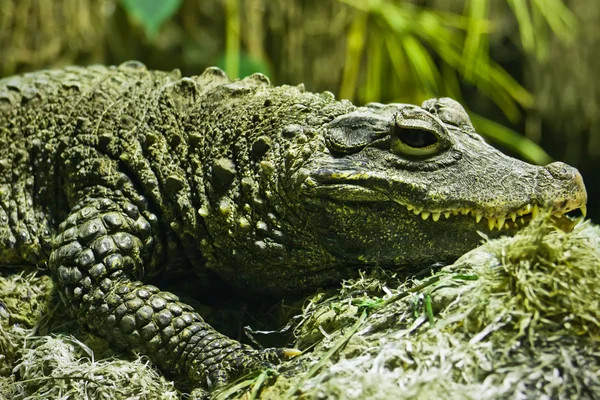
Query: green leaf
x,y
510,140
398,18
371,90
403,75
151,14
355,43
502,79
451,83
476,40
422,63
465,277
559,17
521,10
429,310
488,76
233,25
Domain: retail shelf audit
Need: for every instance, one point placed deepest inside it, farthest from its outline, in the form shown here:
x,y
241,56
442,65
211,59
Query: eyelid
x,y
411,118
352,132
401,148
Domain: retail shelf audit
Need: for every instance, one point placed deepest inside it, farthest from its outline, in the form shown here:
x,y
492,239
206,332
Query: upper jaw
x,y
353,186
496,218
495,190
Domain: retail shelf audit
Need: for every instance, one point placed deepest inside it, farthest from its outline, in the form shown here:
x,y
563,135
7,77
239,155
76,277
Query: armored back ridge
x,y
113,174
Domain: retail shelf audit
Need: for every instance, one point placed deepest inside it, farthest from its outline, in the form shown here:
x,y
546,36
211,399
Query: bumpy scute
x,y
113,175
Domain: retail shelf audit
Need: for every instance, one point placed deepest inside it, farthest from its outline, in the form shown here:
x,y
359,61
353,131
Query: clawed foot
x,y
235,361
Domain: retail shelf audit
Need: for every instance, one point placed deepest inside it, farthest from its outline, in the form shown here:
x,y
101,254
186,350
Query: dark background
x,y
527,71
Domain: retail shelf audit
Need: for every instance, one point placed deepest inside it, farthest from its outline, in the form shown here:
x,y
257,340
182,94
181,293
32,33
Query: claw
x,y
291,353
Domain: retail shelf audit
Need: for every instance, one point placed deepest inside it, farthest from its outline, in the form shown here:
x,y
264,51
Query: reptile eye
x,y
417,134
416,138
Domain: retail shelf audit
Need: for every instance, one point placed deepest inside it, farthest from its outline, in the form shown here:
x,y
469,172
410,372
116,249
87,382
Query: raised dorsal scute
x,y
132,64
175,74
214,73
257,79
183,93
210,78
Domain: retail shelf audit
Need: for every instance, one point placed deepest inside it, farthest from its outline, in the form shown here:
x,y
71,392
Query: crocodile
x,y
113,176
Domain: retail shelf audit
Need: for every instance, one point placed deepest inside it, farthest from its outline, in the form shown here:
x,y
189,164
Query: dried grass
x,y
518,317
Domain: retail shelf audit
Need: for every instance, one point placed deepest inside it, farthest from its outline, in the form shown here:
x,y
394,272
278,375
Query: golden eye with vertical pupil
x,y
414,142
418,134
405,130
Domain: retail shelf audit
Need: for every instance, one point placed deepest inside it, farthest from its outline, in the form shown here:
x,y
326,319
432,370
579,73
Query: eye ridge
x,y
417,138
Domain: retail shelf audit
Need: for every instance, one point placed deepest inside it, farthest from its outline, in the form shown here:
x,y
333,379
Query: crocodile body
x,y
112,175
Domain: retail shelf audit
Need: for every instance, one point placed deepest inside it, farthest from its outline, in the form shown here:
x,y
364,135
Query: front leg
x,y
97,262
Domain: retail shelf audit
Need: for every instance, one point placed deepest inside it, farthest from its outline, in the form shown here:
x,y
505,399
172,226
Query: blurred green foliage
x,y
364,50
400,51
151,14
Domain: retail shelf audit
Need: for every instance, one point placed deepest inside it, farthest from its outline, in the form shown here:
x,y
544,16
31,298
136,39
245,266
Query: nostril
x,y
563,186
560,170
575,213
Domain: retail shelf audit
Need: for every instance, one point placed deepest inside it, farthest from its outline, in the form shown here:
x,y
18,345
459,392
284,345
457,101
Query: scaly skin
x,y
113,175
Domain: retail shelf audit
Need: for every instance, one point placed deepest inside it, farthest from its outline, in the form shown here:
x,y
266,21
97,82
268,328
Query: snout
x,y
566,191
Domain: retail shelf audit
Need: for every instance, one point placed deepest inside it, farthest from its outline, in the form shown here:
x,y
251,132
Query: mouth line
x,y
496,219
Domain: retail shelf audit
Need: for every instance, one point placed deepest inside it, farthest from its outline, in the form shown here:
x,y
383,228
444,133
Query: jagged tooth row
x,y
497,222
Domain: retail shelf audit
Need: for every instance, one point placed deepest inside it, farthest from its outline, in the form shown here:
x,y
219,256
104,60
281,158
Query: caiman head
x,y
401,185
327,189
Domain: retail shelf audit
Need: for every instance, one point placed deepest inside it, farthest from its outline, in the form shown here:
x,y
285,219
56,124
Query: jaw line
x,y
517,218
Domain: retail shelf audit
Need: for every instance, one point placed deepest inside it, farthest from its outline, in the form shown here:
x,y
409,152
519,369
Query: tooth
x,y
500,221
409,207
527,209
447,214
416,211
464,211
478,217
583,209
513,216
491,223
425,215
535,211
454,212
435,216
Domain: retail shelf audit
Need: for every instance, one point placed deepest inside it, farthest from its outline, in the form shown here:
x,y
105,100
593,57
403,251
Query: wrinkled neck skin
x,y
248,144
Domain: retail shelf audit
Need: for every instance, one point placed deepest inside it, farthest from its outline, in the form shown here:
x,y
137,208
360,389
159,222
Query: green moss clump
x,y
63,367
24,299
518,317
